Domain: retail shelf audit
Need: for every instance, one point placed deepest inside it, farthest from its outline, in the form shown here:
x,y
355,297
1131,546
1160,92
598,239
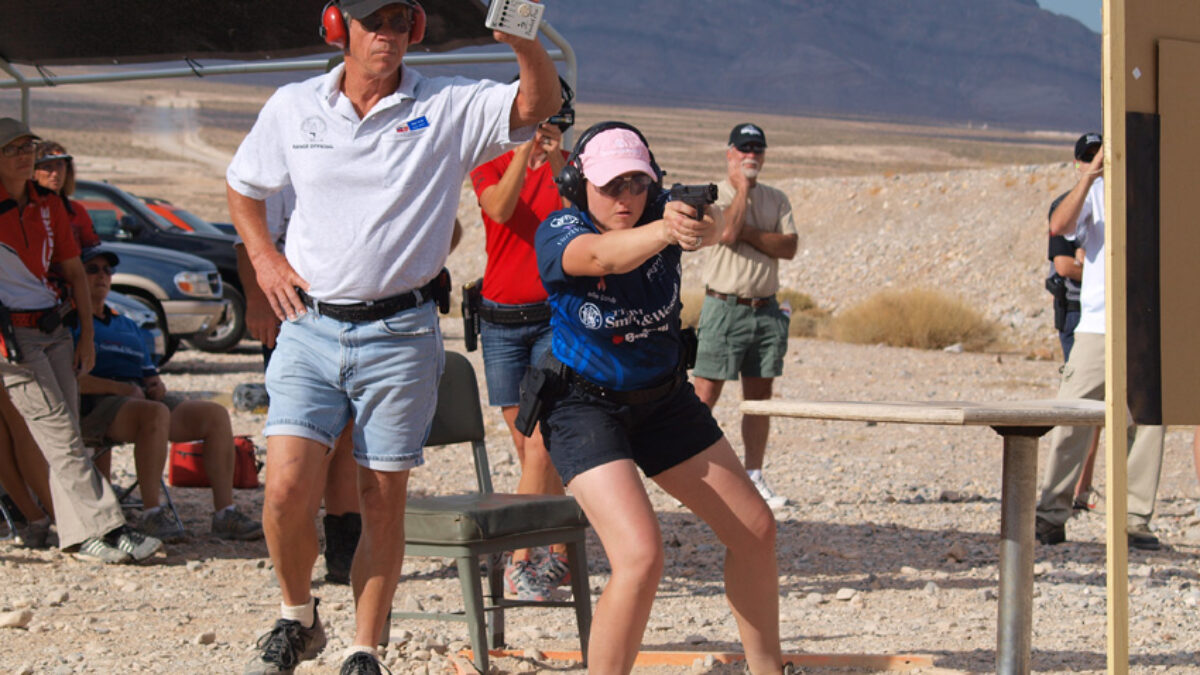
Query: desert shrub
x,y
920,318
689,314
807,319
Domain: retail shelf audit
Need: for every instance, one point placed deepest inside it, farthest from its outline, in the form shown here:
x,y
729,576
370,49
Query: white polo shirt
x,y
1089,234
375,197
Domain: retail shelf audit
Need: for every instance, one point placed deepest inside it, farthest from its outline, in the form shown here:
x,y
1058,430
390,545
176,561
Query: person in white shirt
x,y
376,153
1081,216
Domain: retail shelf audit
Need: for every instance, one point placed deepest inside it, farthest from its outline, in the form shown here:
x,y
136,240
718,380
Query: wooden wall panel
x,y
1179,226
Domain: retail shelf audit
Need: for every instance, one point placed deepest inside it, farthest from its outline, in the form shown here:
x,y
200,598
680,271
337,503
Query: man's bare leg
x,y
755,428
294,481
709,391
380,555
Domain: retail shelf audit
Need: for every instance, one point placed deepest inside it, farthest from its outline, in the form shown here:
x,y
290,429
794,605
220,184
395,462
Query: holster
x,y
1060,314
690,344
540,385
441,290
472,298
8,337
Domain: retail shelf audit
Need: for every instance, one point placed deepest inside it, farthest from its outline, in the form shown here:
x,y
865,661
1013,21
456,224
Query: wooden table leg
x,y
1018,501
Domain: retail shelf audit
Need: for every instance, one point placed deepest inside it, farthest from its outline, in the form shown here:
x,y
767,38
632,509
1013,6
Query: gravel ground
x,y
889,546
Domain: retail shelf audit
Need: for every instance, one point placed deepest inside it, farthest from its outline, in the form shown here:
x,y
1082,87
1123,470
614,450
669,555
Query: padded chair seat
x,y
479,517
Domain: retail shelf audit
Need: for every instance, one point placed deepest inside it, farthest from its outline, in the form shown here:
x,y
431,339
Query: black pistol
x,y
697,196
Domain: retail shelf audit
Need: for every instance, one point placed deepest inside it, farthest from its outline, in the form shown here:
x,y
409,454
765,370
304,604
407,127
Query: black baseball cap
x,y
361,9
747,133
1087,145
93,252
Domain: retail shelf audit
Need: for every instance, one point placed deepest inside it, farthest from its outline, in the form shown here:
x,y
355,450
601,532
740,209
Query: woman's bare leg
x,y
615,501
715,487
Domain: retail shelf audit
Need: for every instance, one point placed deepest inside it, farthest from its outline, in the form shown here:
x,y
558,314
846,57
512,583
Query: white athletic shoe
x,y
773,500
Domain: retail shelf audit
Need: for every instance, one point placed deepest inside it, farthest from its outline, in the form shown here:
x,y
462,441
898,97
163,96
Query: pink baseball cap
x,y
612,153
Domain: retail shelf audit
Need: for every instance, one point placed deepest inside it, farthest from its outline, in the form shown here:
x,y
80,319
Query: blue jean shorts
x,y
507,350
382,374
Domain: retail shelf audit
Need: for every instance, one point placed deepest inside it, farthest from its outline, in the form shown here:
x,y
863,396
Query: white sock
x,y
228,509
354,649
302,613
151,511
754,474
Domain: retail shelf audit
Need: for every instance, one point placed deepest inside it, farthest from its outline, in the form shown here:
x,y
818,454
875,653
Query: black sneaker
x,y
1140,537
341,540
287,645
363,663
1049,534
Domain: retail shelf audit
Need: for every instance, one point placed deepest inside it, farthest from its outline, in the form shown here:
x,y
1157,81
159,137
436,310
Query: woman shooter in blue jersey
x,y
616,397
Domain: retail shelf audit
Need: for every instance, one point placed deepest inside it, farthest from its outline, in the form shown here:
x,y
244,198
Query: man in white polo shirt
x,y
1081,216
377,154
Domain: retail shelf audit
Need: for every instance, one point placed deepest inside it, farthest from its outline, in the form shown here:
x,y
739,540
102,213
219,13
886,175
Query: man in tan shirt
x,y
742,330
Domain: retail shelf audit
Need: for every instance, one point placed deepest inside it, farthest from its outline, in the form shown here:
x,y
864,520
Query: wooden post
x,y
1115,390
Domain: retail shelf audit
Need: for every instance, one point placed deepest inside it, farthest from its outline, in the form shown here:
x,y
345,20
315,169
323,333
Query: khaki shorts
x,y
741,340
104,408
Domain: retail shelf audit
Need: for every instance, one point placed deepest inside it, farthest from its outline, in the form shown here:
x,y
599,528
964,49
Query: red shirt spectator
x,y
511,277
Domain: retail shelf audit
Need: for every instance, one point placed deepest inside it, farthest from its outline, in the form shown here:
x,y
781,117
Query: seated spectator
x,y
125,401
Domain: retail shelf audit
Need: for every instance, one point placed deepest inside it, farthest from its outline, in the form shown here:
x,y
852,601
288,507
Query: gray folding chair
x,y
485,524
125,494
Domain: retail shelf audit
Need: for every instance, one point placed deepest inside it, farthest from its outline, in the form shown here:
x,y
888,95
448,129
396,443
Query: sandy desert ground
x,y
890,543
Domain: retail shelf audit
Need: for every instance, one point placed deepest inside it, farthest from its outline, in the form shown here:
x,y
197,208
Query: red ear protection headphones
x,y
336,34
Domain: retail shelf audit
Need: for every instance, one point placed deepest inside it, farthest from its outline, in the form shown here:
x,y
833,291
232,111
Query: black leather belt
x,y
370,311
634,397
515,315
749,302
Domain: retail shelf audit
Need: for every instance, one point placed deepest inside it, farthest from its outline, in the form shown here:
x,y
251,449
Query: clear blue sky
x,y
1086,11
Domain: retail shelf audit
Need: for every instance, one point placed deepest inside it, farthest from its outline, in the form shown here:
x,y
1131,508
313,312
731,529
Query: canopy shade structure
x,y
84,32
261,35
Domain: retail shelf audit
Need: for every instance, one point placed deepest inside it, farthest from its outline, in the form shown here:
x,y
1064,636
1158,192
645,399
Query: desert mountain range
x,y
1000,62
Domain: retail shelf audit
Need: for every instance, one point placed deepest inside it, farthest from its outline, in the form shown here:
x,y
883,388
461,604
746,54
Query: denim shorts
x,y
382,374
583,432
507,350
740,340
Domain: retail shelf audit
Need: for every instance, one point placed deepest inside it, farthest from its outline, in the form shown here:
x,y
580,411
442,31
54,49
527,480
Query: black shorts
x,y
583,431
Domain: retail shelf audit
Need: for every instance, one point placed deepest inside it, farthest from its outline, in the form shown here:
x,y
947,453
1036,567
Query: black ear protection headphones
x,y
336,33
573,185
565,117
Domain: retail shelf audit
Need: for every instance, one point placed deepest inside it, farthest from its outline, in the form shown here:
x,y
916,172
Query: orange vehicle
x,y
179,217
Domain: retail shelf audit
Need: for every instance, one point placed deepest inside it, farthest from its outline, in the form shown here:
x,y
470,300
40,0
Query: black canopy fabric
x,y
69,32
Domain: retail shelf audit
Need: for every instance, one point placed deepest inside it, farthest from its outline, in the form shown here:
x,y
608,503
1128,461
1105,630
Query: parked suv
x,y
120,216
183,291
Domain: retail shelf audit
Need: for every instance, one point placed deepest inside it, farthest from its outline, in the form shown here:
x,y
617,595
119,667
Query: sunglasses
x,y
26,148
636,184
398,23
98,269
752,148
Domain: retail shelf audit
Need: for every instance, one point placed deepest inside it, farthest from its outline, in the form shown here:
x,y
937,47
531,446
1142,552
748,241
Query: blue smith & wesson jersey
x,y
620,331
